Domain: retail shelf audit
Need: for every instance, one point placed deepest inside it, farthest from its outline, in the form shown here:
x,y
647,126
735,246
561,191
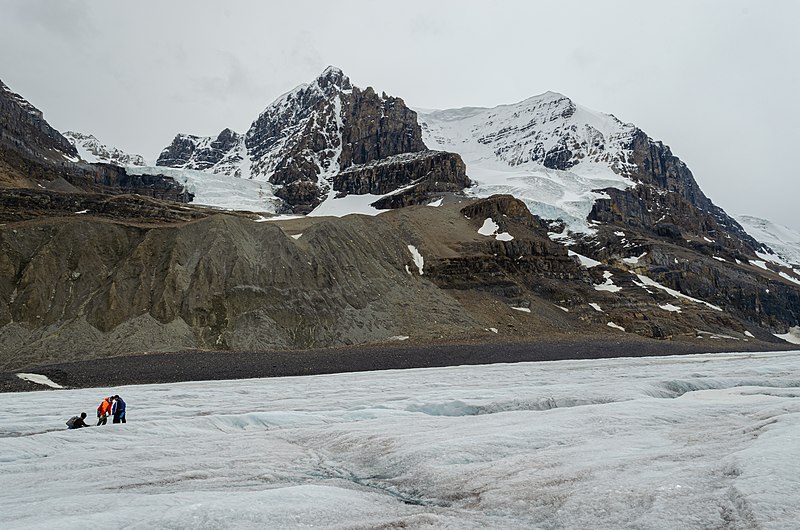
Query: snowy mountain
x,y
306,137
561,158
319,143
784,242
549,130
545,150
91,149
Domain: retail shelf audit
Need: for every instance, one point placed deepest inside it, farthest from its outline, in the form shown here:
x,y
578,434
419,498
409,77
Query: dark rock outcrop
x,y
179,152
670,215
530,262
111,179
421,174
376,127
656,166
302,195
25,204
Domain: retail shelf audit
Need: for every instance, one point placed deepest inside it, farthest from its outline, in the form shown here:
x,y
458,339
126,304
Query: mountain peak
x,y
549,99
550,94
333,76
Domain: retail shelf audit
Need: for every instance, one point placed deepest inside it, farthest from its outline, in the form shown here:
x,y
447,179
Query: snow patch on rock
x,y
585,261
793,336
489,228
39,380
677,294
419,261
608,285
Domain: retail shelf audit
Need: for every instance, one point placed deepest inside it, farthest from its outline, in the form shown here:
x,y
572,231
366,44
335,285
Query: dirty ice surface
x,y
705,441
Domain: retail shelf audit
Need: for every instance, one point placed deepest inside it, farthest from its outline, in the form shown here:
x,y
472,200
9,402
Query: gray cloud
x,y
68,20
717,81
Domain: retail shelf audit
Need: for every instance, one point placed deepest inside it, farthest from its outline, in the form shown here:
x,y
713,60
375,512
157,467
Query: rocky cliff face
x,y
655,166
328,126
672,216
509,268
17,205
24,129
407,179
34,155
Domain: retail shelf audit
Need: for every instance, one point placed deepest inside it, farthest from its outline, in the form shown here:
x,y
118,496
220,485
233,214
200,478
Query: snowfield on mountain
x,y
545,150
701,441
784,241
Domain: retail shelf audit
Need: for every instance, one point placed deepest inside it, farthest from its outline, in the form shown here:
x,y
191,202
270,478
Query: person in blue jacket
x,y
118,410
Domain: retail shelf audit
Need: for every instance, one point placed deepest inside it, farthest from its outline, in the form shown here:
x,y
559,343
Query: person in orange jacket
x,y
104,410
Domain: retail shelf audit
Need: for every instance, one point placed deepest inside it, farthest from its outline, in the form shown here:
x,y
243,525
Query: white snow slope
x,y
231,193
505,147
784,241
218,190
707,441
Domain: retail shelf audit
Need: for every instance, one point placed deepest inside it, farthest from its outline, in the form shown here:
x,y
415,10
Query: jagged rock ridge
x,y
91,149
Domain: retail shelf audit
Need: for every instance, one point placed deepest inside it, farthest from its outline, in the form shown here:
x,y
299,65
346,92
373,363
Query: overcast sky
x,y
718,81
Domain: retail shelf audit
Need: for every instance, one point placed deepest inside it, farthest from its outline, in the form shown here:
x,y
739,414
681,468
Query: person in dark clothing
x,y
118,410
76,422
